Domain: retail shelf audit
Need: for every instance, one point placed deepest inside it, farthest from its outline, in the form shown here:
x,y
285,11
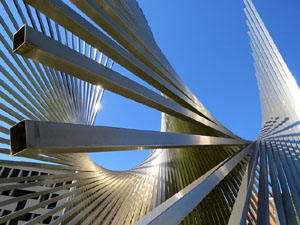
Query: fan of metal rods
x,y
56,58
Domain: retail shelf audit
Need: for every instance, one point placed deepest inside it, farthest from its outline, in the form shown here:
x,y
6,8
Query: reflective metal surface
x,y
199,172
39,137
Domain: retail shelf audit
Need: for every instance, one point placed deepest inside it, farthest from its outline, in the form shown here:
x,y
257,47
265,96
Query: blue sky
x,y
208,45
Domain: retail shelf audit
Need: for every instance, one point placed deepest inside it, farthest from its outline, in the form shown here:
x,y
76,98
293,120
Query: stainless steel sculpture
x,y
198,173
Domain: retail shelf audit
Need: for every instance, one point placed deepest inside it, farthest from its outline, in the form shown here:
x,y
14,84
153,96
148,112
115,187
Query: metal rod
x,y
150,73
174,210
40,137
32,44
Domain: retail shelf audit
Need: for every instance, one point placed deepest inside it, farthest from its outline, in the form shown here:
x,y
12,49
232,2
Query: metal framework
x,y
199,172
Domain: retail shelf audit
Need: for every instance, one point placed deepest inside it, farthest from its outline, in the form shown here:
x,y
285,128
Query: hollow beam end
x,y
20,45
18,140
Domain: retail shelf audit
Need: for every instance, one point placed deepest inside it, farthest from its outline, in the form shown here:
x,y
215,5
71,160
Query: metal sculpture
x,y
198,173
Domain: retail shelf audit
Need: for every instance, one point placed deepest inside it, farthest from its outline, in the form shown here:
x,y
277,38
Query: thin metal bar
x,y
83,29
263,198
177,207
241,206
275,186
29,42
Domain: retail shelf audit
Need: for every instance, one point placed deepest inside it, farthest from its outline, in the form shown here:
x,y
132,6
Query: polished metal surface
x,y
173,210
32,44
199,172
41,137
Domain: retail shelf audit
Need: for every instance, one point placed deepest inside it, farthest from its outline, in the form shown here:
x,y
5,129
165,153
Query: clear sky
x,y
207,43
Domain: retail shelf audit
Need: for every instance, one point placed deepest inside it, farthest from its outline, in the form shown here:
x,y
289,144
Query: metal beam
x,y
242,203
35,45
263,197
141,67
176,208
40,137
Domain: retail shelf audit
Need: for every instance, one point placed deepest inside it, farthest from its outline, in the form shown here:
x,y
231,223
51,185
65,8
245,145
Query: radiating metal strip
x,y
82,28
35,45
263,198
275,186
177,207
